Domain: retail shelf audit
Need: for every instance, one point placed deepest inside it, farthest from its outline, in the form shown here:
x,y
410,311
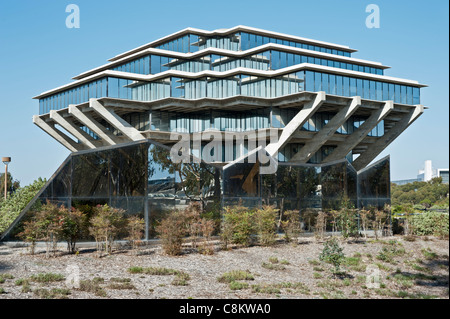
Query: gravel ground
x,y
419,269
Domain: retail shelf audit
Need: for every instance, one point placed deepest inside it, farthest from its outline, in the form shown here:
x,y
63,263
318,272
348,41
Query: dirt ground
x,y
391,267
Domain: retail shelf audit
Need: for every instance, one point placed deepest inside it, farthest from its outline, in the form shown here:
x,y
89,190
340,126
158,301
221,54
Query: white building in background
x,y
427,174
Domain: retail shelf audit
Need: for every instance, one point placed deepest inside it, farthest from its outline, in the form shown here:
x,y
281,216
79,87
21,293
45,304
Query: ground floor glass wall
x,y
141,179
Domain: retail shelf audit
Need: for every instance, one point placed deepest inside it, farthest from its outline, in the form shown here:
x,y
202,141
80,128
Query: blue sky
x,y
38,53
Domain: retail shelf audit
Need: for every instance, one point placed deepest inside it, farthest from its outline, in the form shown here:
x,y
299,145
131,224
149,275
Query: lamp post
x,y
6,161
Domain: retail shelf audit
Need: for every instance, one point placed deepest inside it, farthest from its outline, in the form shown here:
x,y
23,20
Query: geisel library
x,y
318,115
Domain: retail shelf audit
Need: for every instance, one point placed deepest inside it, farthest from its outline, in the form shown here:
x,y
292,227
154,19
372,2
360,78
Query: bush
x,y
106,225
291,225
235,275
15,203
332,253
237,226
45,225
172,230
431,224
72,227
265,225
179,224
135,228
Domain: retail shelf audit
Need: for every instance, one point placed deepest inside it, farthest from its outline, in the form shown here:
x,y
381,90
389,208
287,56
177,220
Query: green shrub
x,y
332,253
15,203
181,279
431,223
54,293
73,223
106,225
237,285
237,226
92,286
265,225
272,266
47,277
235,275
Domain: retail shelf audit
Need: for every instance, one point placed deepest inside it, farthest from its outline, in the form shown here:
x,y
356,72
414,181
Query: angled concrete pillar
x,y
361,133
77,132
57,134
372,152
115,120
321,137
105,135
302,116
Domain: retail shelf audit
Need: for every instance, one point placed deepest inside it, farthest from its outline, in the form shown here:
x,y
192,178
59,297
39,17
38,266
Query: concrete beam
x,y
302,116
77,132
374,150
106,136
321,137
57,134
360,134
115,120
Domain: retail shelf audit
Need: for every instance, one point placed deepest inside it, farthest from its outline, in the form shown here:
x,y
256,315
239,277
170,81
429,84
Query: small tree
x,y
332,253
207,227
135,228
106,225
31,233
192,221
347,219
49,222
172,230
321,225
379,222
291,225
364,216
72,228
334,214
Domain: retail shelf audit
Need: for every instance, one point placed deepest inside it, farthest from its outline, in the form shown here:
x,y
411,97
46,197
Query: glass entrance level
x,y
141,179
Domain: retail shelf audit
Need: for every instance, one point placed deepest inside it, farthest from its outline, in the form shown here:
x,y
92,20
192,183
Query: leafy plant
x,y
106,225
321,225
291,225
72,226
431,223
235,275
135,228
265,225
17,201
172,230
332,253
237,226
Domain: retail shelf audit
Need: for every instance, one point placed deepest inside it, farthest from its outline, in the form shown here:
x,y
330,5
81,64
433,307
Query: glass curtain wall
x,y
246,85
141,179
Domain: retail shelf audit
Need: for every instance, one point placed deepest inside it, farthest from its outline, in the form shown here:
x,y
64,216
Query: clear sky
x,y
38,52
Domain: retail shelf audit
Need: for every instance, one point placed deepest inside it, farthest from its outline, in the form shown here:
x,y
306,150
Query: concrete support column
x,y
361,133
302,116
372,152
57,134
321,137
106,136
77,132
115,120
